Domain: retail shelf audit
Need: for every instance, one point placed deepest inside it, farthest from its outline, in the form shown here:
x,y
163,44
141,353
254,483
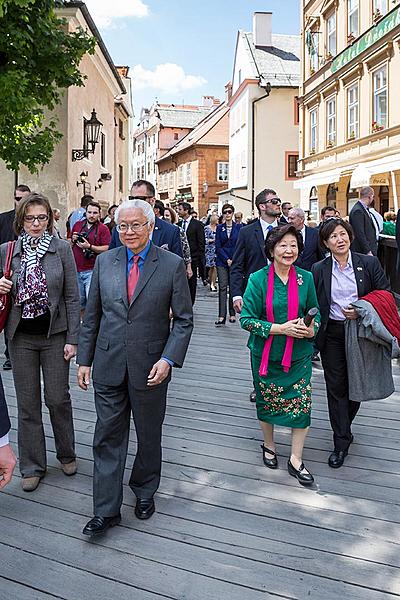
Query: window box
x,y
331,144
350,38
377,16
352,136
376,127
328,57
312,151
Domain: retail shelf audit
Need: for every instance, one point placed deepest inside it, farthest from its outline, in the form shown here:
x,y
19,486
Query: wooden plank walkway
x,y
225,527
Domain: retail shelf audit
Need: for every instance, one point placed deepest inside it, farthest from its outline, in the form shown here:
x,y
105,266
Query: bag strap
x,y
7,266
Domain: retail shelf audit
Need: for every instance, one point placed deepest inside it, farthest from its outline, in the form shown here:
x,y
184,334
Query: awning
x,y
316,179
374,172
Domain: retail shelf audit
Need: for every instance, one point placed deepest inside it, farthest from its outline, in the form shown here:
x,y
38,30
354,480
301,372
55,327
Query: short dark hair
x,y
324,209
329,226
186,206
160,205
95,204
226,206
277,233
37,200
111,207
260,198
22,188
85,200
285,204
149,186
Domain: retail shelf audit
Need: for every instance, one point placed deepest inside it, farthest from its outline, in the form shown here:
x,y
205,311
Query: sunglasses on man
x,y
227,212
276,201
145,198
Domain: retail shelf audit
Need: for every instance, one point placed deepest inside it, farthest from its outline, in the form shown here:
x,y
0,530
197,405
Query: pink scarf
x,y
293,309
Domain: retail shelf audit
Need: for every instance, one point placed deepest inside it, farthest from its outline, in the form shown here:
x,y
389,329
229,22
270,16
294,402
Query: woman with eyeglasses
x,y
340,279
42,329
225,243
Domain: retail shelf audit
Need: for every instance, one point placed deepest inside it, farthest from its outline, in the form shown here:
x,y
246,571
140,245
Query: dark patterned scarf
x,y
32,291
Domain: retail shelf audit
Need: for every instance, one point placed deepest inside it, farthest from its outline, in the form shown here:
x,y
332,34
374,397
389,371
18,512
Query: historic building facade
x,y
349,107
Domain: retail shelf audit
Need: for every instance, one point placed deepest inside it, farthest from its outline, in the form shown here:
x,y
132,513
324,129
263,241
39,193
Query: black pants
x,y
341,410
114,405
193,280
223,285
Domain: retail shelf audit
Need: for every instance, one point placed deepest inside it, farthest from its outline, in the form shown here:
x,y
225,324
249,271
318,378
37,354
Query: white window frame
x,y
331,43
313,129
353,17
353,111
331,121
222,171
180,176
188,174
314,58
171,180
380,5
380,89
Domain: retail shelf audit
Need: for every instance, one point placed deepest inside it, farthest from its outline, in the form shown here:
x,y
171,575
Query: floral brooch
x,y
299,280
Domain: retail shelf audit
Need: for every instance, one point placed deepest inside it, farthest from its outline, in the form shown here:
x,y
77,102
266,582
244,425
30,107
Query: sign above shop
x,y
187,196
362,176
377,32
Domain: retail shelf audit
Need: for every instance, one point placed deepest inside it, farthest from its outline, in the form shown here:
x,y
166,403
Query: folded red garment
x,y
385,305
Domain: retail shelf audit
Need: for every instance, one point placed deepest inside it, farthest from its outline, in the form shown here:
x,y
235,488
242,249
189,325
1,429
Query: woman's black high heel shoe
x,y
302,475
271,463
220,322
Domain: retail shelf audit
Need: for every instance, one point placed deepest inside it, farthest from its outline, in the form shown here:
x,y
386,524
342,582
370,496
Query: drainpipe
x,y
253,145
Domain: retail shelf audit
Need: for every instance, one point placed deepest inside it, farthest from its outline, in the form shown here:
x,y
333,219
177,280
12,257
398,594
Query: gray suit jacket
x,y
118,338
59,267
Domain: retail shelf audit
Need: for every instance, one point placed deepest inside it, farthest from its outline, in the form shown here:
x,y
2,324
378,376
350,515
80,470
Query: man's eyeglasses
x,y
227,212
275,201
32,218
135,227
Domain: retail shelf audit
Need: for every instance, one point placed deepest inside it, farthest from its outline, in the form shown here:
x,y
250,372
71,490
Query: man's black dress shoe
x,y
337,457
302,475
253,396
271,463
144,508
99,525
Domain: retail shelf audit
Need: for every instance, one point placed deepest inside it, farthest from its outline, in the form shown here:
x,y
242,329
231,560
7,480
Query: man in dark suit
x,y
127,336
363,224
7,234
194,230
164,234
249,255
311,251
7,457
286,207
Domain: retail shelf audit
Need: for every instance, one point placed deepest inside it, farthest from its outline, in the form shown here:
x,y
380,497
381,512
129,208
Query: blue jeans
x,y
84,279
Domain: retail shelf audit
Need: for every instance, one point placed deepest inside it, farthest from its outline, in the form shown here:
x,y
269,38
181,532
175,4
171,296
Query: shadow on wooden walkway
x,y
225,527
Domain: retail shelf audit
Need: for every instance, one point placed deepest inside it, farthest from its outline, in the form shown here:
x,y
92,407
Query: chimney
x,y
228,91
262,29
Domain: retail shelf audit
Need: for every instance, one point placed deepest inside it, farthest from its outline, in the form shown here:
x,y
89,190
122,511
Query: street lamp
x,y
82,177
91,135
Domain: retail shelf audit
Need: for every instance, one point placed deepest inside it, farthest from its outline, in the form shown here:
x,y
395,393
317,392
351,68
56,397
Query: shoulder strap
x,y
7,266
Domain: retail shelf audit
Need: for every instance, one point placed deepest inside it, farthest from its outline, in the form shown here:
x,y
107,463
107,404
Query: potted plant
x,y
312,151
376,126
377,16
352,135
350,38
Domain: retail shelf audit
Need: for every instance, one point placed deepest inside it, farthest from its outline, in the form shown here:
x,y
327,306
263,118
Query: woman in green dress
x,y
276,299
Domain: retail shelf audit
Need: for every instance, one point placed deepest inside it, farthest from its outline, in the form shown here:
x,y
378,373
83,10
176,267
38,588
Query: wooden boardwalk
x,y
226,528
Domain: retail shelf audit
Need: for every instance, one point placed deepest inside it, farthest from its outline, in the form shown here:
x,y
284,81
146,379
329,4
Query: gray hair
x,y
142,205
298,212
366,191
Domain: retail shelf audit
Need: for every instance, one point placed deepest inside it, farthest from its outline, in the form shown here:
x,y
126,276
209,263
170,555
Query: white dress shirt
x,y
4,440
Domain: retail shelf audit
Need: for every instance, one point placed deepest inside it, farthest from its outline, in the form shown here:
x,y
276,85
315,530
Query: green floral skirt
x,y
284,398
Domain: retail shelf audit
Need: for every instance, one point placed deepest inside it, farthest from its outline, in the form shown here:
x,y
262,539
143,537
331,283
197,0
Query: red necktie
x,y
133,277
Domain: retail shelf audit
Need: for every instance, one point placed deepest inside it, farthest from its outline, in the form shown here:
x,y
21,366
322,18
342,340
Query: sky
x,y
180,50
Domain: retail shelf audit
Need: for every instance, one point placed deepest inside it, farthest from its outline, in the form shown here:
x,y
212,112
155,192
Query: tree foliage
x,y
39,59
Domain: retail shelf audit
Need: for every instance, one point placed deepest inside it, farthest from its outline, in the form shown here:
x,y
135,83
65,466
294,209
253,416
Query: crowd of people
x,y
118,293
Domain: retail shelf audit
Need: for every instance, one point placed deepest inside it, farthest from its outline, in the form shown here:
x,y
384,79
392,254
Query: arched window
x,y
313,211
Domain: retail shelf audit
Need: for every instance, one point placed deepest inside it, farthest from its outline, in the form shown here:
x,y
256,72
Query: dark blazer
x,y
196,238
60,270
7,233
117,336
283,220
364,230
249,256
164,236
5,424
224,246
311,252
369,277
398,239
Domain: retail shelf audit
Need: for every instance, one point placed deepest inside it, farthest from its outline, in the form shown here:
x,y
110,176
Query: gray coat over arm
x,y
117,337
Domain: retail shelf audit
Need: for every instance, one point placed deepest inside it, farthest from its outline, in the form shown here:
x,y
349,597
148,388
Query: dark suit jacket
x,y
7,233
165,236
5,424
196,238
120,337
398,239
224,246
369,276
364,230
311,252
249,256
283,221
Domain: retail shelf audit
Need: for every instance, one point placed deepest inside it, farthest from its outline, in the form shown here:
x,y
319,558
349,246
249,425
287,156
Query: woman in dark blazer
x,y
340,279
225,242
42,330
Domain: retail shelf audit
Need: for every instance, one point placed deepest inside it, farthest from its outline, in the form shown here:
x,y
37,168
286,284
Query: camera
x,y
87,253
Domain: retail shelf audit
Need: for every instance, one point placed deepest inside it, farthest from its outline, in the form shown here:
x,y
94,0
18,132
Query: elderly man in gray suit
x,y
128,336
